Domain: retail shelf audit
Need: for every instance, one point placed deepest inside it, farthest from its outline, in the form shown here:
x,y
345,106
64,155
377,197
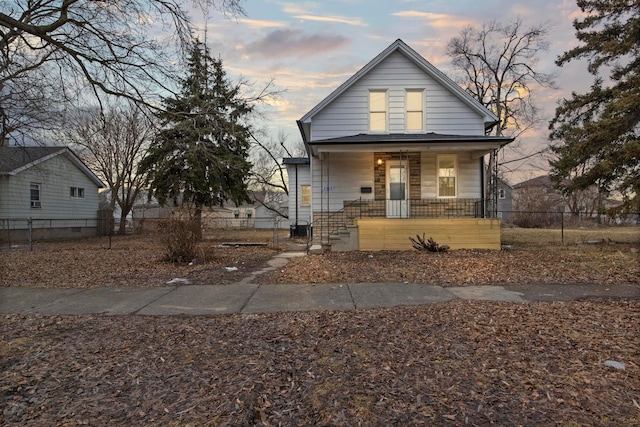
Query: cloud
x,y
334,19
257,23
302,12
283,43
435,19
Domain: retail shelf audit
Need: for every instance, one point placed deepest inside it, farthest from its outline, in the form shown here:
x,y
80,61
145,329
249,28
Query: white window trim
x,y
36,204
407,111
455,168
386,110
76,193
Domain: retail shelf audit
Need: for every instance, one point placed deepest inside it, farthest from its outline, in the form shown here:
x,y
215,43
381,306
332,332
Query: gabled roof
x,y
489,118
14,160
540,181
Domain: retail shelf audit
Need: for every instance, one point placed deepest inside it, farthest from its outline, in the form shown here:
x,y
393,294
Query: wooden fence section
x,y
458,233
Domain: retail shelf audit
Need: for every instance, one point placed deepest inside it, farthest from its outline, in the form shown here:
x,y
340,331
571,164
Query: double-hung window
x,y
378,110
414,116
447,175
35,195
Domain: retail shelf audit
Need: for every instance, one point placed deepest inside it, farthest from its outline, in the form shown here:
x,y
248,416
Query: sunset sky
x,y
310,48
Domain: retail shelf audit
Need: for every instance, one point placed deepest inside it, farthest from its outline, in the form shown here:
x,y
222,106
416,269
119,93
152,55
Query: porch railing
x,y
327,223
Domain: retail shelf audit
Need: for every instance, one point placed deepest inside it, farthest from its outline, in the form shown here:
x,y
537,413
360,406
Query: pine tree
x,y
597,132
200,155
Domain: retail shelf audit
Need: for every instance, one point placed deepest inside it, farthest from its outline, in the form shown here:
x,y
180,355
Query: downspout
x,y
297,190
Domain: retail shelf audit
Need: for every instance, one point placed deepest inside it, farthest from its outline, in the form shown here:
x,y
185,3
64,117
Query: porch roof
x,y
478,144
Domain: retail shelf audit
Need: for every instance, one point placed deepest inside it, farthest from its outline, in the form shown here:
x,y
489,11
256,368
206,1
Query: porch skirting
x,y
393,234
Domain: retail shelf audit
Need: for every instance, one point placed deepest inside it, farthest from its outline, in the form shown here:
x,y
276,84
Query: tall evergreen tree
x,y
200,156
597,132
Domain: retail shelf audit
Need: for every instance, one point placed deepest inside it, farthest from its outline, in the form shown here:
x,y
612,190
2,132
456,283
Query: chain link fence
x,y
569,228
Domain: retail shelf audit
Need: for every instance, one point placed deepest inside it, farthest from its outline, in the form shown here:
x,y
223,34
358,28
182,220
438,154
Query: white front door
x,y
397,190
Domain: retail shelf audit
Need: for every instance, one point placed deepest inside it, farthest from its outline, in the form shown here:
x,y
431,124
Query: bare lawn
x,y
532,256
459,363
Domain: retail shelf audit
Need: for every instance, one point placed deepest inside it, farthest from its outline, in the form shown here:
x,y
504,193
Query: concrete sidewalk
x,y
248,296
254,298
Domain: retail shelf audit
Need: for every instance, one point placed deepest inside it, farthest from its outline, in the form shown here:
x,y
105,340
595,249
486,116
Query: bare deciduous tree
x,y
497,65
112,144
268,173
72,48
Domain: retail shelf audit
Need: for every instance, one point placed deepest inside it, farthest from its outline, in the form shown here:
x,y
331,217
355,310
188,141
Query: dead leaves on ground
x,y
135,261
547,265
131,261
455,363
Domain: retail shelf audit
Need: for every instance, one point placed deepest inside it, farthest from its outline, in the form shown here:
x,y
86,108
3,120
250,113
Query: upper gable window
x,y
378,110
415,116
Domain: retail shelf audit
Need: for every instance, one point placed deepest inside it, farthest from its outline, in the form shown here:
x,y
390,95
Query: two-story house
x,y
396,150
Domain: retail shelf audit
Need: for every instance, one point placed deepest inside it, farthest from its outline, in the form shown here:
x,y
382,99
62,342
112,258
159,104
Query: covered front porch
x,y
365,225
376,192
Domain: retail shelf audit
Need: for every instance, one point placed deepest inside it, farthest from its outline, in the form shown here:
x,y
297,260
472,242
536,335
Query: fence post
x,y
562,227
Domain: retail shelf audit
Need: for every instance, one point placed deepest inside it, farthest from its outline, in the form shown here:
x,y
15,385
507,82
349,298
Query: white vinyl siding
x,y
443,111
55,177
342,176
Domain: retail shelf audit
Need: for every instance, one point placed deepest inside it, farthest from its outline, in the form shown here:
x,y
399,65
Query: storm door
x,y
397,190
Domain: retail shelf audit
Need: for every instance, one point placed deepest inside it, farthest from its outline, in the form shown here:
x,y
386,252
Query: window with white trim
x,y
305,195
76,193
501,194
35,195
447,175
414,104
378,110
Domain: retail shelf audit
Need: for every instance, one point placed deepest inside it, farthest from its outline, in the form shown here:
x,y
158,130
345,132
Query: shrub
x,y
180,238
429,245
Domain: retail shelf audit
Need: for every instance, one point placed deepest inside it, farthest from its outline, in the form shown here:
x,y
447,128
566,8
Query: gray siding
x,y
342,175
56,176
349,113
304,178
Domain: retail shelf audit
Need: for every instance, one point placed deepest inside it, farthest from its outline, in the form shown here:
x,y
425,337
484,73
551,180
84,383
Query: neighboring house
x,y
537,203
272,209
397,150
49,187
505,200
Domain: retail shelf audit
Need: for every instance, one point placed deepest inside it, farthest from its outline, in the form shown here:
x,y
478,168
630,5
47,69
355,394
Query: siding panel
x,y
348,114
341,175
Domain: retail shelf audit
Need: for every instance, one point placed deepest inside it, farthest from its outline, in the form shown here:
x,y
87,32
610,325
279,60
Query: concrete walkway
x,y
247,296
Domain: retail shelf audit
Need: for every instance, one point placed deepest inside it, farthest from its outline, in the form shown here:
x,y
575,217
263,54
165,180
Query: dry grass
x,y
451,364
136,260
448,364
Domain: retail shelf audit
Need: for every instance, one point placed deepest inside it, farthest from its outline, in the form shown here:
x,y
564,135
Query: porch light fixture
x,y
379,162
